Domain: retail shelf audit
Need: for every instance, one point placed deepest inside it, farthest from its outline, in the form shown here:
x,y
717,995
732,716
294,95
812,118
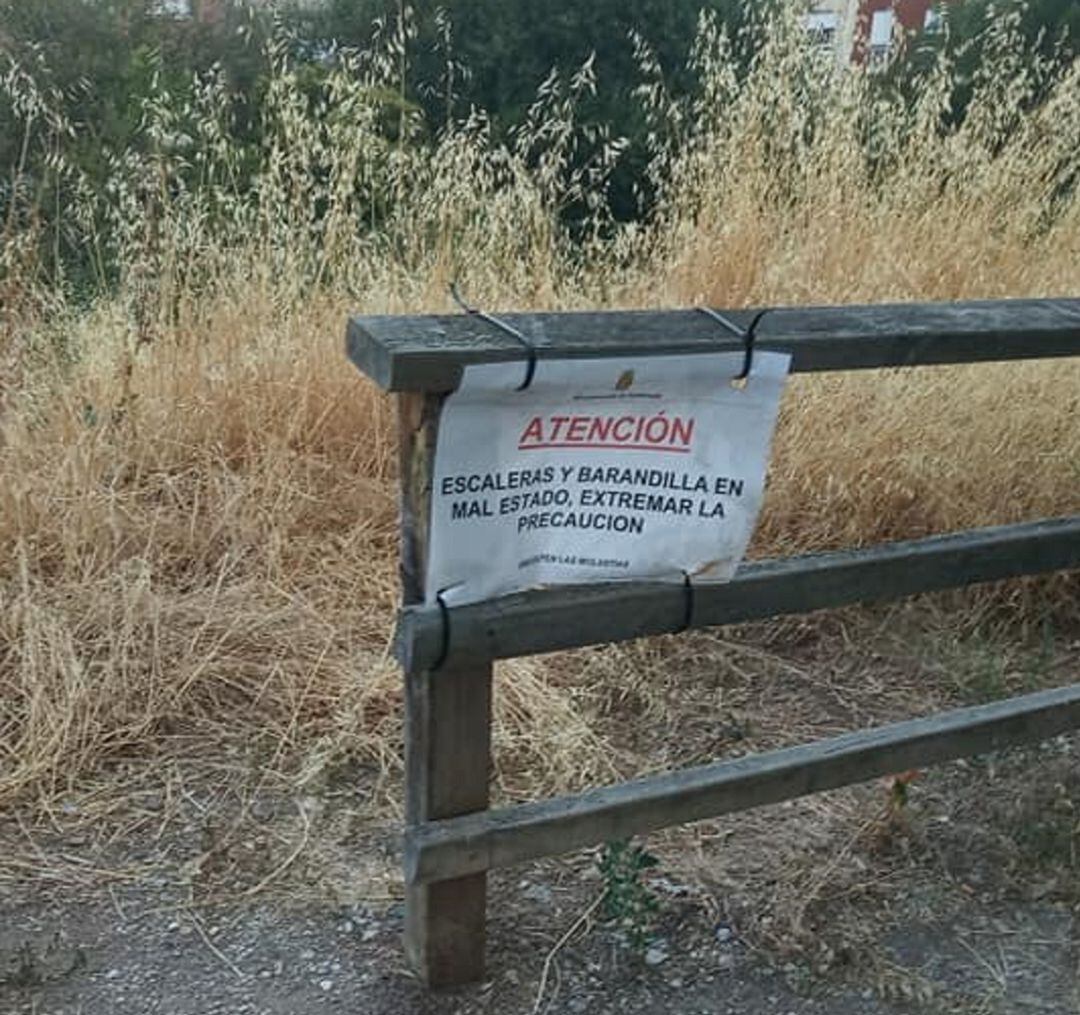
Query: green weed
x,y
628,902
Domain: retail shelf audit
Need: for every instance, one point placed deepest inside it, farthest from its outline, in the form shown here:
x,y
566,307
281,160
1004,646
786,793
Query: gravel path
x,y
141,950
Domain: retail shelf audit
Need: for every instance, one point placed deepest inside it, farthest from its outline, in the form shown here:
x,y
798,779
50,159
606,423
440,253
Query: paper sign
x,y
646,468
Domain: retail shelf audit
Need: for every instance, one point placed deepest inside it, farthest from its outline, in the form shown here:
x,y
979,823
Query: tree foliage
x,y
78,77
99,57
495,54
1051,27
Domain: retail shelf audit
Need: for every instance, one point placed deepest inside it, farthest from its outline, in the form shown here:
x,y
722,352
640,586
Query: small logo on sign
x,y
625,381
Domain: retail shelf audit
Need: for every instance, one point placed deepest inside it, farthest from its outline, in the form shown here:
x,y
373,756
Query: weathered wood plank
x,y
503,837
447,737
448,750
427,353
564,617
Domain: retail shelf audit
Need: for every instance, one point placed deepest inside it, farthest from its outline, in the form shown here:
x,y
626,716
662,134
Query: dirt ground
x,y
133,952
201,897
958,912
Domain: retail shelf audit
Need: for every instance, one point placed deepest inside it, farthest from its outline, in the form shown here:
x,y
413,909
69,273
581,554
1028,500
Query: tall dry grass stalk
x,y
197,512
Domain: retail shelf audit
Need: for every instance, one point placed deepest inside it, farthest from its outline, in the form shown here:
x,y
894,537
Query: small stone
x,y
676,983
262,810
307,955
656,955
326,985
174,926
724,933
369,934
347,926
538,893
669,887
578,1004
725,963
112,974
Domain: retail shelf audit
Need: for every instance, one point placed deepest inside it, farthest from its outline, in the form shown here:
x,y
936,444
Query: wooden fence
x,y
452,838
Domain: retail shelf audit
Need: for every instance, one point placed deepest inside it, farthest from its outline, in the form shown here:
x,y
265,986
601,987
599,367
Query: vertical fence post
x,y
447,736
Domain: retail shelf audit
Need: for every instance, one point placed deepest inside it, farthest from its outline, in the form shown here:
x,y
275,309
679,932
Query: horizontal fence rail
x,y
427,353
551,619
452,839
477,842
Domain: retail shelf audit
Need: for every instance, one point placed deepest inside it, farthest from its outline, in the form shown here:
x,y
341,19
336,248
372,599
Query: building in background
x,y
869,32
205,11
860,32
883,25
832,25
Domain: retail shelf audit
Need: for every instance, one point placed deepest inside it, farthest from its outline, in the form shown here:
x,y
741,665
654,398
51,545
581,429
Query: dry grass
x,y
197,513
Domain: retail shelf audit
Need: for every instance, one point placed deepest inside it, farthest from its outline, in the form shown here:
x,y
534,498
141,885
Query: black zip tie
x,y
746,335
688,614
502,326
444,648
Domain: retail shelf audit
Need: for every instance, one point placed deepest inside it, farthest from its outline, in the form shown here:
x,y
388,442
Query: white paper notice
x,y
646,468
